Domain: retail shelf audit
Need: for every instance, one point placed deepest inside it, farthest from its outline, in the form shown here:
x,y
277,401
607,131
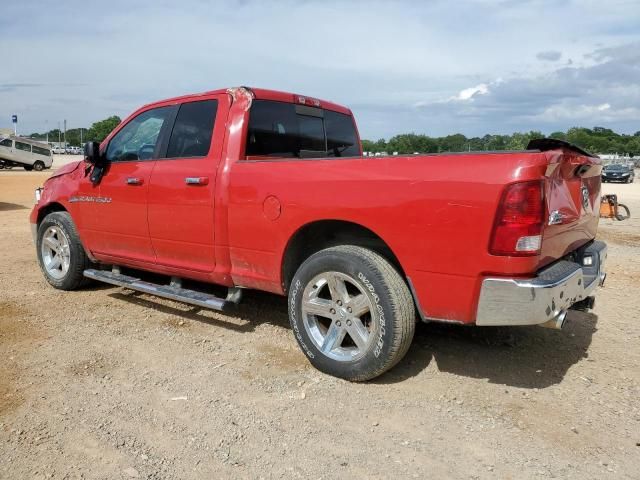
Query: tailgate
x,y
572,193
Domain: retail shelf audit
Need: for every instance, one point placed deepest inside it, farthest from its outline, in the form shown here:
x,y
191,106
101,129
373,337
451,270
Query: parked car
x,y
617,172
58,150
26,153
73,150
251,188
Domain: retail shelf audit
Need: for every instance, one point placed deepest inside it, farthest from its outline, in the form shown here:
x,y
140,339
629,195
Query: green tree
x,y
99,130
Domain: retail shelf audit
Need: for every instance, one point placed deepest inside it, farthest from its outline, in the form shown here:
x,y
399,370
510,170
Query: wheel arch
x,y
50,208
320,234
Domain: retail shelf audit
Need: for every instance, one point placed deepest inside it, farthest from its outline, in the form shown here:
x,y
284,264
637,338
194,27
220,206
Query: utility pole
x,y
80,136
65,133
59,134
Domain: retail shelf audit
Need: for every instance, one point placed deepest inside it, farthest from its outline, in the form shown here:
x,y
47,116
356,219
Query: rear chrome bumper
x,y
510,301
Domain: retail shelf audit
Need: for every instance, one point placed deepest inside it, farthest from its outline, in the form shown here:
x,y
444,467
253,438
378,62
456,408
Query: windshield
x,y
615,167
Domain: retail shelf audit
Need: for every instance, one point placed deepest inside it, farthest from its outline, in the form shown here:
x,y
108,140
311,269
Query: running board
x,y
174,291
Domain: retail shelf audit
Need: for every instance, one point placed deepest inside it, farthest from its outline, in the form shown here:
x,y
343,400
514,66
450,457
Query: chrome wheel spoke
x,y
338,289
359,305
333,339
50,242
358,333
55,263
317,306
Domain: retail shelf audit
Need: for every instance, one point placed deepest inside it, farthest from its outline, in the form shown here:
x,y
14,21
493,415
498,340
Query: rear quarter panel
x,y
435,212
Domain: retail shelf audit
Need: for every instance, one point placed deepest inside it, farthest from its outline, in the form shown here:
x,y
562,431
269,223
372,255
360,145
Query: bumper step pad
x,y
173,291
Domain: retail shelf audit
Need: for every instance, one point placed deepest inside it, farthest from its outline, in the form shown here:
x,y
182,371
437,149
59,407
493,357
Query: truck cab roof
x,y
262,94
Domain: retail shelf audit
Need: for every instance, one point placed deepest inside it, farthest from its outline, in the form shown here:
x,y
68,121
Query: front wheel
x,y
61,255
351,312
38,166
623,212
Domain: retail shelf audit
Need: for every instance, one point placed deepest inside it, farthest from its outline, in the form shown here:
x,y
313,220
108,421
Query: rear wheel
x,y
61,255
38,166
351,312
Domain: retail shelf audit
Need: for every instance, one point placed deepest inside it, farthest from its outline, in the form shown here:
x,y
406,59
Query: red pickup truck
x,y
251,188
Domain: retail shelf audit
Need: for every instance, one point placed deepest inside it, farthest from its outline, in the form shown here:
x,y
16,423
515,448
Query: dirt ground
x,y
106,383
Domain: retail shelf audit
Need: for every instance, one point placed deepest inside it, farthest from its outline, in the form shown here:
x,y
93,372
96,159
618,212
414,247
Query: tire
x,y
625,212
58,228
28,168
38,166
364,334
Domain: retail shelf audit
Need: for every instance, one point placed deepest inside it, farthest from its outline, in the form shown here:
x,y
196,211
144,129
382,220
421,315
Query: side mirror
x,y
92,153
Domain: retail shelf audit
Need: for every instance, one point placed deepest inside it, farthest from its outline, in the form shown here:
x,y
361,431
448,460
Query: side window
x,y
342,140
138,139
192,130
289,130
6,142
23,146
41,151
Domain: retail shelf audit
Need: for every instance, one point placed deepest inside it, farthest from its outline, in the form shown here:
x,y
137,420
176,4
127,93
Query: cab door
x,y
120,226
182,186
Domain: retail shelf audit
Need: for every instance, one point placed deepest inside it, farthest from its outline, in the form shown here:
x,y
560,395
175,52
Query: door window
x,y
138,139
6,143
23,146
192,130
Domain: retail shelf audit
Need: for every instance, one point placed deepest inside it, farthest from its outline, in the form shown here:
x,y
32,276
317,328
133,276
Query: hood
x,y
68,168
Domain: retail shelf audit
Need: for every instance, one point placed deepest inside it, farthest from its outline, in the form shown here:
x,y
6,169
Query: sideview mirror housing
x,y
92,153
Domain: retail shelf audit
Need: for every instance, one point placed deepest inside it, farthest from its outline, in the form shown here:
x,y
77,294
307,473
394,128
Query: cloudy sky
x,y
434,67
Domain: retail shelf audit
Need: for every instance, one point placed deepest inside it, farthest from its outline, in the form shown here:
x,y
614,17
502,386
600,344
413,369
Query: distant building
x,y
6,132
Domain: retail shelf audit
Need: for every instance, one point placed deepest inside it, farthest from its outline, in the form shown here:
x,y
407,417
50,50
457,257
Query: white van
x,y
22,152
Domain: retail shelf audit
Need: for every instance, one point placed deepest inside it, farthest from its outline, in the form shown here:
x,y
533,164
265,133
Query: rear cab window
x,y
279,129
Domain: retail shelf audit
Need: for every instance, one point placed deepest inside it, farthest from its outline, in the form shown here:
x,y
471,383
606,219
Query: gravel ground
x,y
106,383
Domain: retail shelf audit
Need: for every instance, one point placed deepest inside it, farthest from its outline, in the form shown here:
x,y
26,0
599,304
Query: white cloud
x,y
469,93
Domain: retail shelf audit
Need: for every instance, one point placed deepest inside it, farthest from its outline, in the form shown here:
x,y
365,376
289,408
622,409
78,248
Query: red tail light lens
x,y
519,220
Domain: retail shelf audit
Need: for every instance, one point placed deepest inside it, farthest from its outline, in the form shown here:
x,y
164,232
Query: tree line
x,y
97,132
594,140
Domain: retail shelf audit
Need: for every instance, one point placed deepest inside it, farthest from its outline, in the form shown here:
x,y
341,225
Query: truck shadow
x,y
524,357
257,308
5,207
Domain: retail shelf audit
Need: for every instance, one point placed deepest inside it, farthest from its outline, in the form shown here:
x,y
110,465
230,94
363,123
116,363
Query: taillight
x,y
519,220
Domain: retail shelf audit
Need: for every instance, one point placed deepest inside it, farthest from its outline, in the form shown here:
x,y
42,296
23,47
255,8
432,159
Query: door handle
x,y
196,180
134,181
